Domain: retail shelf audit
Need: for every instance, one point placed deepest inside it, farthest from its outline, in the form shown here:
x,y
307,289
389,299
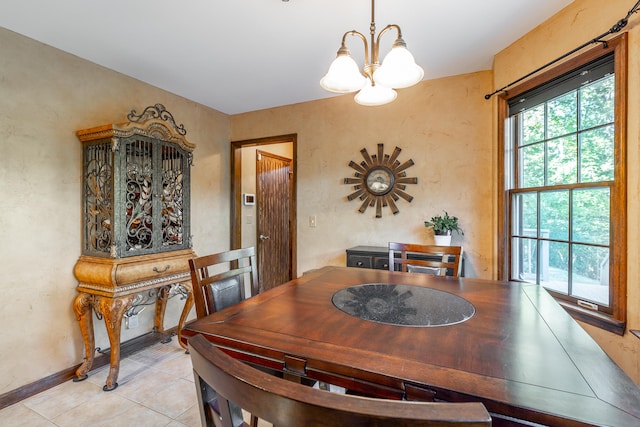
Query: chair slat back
x,y
218,280
288,404
447,257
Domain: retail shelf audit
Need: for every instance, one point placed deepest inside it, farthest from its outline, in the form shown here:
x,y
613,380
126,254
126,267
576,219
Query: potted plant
x,y
442,226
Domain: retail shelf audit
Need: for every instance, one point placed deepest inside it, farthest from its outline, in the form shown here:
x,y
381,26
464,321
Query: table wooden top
x,y
520,354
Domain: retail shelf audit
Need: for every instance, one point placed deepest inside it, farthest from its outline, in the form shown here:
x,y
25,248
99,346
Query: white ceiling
x,y
245,55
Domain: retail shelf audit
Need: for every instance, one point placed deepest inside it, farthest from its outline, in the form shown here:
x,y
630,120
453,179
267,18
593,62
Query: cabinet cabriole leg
x,y
112,310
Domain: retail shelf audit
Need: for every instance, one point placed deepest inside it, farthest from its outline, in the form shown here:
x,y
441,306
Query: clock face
x,y
379,180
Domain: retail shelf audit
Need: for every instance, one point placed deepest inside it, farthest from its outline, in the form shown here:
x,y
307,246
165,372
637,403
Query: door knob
x,y
263,237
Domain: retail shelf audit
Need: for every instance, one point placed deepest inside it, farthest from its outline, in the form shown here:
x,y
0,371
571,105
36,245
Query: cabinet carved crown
x,y
136,186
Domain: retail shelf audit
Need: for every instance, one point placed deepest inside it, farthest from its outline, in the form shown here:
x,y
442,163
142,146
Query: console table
x,y
377,258
109,288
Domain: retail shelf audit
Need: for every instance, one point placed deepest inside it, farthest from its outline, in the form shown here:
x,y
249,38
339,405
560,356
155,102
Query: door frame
x,y
236,191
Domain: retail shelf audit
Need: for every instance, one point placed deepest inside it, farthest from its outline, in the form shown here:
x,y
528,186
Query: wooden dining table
x,y
508,345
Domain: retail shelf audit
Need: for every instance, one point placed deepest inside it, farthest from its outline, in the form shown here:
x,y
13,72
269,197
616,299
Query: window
x,y
564,204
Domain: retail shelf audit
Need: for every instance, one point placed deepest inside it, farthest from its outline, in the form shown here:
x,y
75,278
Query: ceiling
x,y
245,55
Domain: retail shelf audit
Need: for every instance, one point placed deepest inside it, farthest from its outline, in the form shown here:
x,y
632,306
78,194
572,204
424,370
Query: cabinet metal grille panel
x,y
98,191
173,163
138,195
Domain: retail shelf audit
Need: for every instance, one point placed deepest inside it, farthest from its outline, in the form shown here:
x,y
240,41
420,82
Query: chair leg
x,y
253,422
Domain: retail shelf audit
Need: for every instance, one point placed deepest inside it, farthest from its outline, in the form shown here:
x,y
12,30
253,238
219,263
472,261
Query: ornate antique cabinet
x,y
136,233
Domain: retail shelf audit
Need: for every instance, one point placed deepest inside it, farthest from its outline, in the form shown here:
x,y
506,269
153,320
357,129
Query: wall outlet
x,y
132,321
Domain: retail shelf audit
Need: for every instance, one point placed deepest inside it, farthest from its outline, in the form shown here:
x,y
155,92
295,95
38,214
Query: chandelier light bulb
x,y
343,76
374,95
398,69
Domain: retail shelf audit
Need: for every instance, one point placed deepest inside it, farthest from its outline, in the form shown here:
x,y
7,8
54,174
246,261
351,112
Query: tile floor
x,y
155,389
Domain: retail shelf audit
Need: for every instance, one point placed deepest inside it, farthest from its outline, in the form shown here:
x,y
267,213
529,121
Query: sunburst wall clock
x,y
380,180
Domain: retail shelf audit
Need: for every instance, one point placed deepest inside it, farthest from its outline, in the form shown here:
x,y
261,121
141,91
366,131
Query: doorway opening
x,y
279,253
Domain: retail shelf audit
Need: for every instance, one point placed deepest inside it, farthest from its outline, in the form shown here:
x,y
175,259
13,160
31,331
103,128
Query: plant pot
x,y
442,239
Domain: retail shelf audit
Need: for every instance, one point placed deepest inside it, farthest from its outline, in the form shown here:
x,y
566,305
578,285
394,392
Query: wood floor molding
x,y
127,348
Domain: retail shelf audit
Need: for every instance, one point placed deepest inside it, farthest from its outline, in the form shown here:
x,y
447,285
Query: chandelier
x,y
376,83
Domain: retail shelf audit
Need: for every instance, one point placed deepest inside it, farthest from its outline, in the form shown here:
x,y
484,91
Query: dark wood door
x,y
273,198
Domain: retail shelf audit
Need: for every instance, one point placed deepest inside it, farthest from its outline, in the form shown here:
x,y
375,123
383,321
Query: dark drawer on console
x,y
361,261
377,257
381,263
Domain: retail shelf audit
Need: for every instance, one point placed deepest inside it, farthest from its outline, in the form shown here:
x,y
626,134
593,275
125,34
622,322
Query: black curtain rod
x,y
615,29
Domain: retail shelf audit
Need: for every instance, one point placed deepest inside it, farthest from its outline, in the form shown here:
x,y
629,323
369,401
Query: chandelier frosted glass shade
x,y
343,76
398,69
373,95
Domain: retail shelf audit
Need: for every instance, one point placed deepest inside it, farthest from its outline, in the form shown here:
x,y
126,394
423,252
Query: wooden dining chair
x,y
442,258
225,386
219,280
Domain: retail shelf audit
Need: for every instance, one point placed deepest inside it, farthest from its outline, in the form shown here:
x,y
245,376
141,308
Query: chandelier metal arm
x,y
376,47
366,48
362,37
370,66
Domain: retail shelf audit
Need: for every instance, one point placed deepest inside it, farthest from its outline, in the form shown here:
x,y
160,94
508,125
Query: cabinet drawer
x,y
112,273
381,263
151,269
360,261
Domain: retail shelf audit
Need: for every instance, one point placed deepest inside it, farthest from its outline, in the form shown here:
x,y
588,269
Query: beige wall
x,y
45,96
444,125
578,23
